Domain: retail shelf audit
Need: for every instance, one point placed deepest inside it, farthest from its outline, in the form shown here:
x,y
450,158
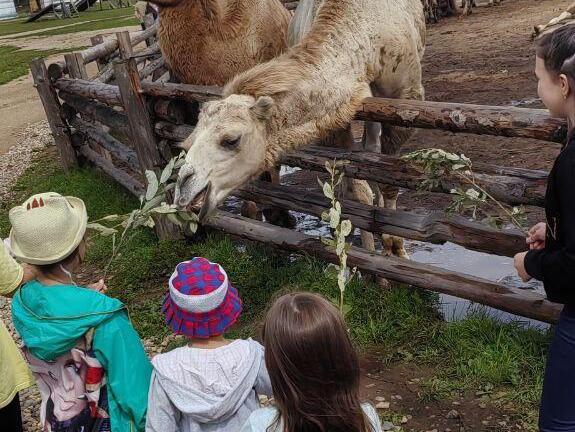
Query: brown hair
x,y
557,50
49,269
313,367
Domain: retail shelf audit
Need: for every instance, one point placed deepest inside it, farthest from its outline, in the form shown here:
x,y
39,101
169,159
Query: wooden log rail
x,y
453,117
462,118
428,227
105,93
105,49
473,119
97,111
520,302
108,142
122,177
509,185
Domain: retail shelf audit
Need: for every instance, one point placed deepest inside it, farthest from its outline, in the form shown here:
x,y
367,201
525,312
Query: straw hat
x,y
47,228
201,302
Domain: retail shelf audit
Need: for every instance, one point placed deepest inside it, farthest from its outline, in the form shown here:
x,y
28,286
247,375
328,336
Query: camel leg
x,y
358,189
275,215
391,140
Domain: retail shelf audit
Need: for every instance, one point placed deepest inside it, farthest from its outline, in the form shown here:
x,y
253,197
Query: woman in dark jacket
x,y
551,257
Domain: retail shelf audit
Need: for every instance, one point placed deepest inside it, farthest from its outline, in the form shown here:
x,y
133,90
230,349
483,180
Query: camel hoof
x,y
281,218
401,253
250,210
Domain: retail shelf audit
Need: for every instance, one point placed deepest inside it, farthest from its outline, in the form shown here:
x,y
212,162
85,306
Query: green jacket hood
x,y
50,319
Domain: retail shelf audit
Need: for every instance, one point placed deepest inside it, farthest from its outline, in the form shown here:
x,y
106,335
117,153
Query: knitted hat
x,y
201,302
47,228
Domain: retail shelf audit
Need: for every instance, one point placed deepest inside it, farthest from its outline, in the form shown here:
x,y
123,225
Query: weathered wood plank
x,y
102,61
98,111
108,142
520,302
430,227
142,131
122,177
58,125
75,65
187,92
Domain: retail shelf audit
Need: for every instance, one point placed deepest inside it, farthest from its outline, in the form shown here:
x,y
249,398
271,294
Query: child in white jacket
x,y
212,383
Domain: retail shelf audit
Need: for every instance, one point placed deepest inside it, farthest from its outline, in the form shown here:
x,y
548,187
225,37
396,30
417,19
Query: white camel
x,y
354,49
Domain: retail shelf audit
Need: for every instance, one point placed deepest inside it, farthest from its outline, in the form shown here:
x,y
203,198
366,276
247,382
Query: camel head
x,y
226,150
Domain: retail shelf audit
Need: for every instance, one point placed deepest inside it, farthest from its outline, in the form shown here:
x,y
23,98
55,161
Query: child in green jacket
x,y
88,360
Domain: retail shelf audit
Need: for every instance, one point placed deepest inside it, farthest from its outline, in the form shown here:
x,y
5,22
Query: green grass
x,y
14,62
502,362
106,15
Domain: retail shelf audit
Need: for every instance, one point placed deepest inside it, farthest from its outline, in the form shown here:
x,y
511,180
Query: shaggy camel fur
x,y
208,42
355,49
566,17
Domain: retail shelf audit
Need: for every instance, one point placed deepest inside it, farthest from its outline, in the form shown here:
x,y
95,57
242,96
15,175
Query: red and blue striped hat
x,y
201,302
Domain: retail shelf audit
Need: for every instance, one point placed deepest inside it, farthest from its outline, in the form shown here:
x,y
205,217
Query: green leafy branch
x,y
153,204
438,164
341,229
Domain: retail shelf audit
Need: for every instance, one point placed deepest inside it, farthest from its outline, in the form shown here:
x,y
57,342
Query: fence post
x,y
142,129
102,61
76,66
52,107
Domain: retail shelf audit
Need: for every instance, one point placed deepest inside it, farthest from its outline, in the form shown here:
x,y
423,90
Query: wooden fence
x,y
127,118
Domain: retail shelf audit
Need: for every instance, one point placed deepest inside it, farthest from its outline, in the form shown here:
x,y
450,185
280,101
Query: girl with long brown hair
x,y
314,371
551,255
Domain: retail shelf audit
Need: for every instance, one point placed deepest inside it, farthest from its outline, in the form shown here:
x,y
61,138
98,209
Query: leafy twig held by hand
x,y
438,164
152,204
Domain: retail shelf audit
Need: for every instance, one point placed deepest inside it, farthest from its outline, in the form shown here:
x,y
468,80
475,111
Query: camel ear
x,y
262,109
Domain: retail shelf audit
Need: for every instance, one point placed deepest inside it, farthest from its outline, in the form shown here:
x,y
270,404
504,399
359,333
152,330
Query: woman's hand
x,y
519,262
536,236
99,286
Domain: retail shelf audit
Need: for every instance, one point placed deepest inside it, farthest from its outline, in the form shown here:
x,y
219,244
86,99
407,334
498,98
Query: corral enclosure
x,y
128,118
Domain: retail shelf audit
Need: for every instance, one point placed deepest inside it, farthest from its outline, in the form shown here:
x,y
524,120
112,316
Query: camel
x,y
208,42
354,49
566,17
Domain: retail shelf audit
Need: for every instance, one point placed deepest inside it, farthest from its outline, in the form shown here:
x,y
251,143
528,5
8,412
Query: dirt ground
x,y
487,58
19,102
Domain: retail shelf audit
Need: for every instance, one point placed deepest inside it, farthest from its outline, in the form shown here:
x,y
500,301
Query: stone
x,y
453,414
380,398
404,420
370,385
382,405
398,397
387,426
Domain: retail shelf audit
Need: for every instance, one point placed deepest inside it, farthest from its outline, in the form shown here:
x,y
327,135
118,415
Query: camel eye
x,y
231,143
